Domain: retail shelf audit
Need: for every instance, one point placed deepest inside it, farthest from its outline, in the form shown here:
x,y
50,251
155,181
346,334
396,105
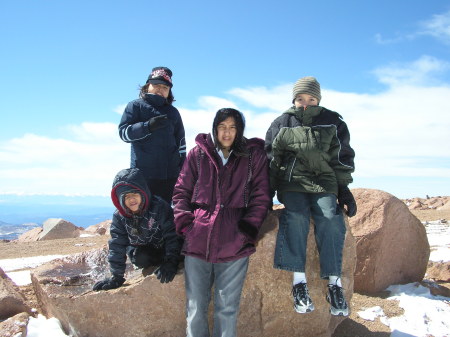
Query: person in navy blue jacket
x,y
155,130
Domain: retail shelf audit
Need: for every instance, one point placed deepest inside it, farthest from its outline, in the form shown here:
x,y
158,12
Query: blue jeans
x,y
228,279
329,230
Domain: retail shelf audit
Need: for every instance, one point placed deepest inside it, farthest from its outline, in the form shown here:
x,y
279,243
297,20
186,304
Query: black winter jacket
x,y
309,151
154,224
159,155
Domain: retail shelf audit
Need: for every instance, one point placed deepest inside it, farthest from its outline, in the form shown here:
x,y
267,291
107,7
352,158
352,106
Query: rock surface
x,y
437,203
31,235
439,271
15,326
11,301
391,243
101,228
146,307
55,228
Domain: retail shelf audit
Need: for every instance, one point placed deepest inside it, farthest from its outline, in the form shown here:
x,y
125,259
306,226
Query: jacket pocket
x,y
286,168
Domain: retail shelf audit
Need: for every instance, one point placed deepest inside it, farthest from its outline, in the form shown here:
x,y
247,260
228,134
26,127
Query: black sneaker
x,y
336,298
302,301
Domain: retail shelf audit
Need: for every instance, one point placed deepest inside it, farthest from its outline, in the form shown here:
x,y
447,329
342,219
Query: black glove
x,y
249,231
345,198
166,272
156,122
109,283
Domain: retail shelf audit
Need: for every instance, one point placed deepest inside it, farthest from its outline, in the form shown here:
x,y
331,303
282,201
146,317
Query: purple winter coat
x,y
219,209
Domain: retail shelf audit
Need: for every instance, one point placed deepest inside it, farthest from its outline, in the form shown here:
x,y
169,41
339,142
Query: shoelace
x,y
299,291
338,294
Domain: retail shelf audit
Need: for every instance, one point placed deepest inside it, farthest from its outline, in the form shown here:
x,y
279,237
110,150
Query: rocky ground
x,y
353,326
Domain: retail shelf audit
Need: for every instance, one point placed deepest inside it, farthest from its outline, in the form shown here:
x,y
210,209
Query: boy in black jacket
x,y
142,228
311,167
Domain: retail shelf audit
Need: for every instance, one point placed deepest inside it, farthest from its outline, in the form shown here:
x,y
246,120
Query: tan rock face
x,y
58,229
15,326
439,203
145,307
11,301
391,243
31,235
101,228
438,271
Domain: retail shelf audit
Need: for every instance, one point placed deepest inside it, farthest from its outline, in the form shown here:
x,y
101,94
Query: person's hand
x,y
156,122
109,283
345,198
248,230
166,272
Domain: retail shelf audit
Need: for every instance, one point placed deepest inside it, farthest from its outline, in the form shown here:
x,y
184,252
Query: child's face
x,y
305,100
226,132
159,89
133,201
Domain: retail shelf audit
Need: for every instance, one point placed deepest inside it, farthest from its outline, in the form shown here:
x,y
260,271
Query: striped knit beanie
x,y
307,85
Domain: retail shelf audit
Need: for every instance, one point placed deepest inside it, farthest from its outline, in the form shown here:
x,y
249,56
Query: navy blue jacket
x,y
154,222
159,155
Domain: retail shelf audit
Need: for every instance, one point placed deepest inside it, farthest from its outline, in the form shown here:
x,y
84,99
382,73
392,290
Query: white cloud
x,y
421,72
84,162
438,27
382,40
400,132
270,98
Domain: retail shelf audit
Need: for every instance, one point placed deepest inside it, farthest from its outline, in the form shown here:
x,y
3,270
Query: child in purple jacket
x,y
220,201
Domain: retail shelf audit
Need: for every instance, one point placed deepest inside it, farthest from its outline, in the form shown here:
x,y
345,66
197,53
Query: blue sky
x,y
68,68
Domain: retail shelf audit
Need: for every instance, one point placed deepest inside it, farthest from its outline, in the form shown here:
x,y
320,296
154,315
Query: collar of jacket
x,y
305,116
205,142
155,100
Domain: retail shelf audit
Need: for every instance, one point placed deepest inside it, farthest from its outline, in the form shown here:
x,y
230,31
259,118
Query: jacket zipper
x,y
292,169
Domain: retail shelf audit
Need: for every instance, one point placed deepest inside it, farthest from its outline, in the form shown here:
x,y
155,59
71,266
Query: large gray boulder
x,y
145,307
55,228
391,243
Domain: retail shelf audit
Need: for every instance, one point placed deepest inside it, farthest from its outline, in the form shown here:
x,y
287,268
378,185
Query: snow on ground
x,y
43,327
438,234
87,235
18,270
425,314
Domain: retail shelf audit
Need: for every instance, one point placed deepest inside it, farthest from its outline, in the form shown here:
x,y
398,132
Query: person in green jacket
x,y
311,163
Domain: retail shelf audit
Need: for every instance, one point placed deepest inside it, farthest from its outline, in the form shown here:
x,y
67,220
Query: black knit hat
x,y
160,75
307,85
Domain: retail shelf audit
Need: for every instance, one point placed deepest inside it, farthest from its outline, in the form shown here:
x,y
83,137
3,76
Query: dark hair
x,y
144,90
238,145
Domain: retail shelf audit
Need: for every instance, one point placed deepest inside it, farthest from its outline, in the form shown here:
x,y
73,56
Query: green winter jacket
x,y
309,151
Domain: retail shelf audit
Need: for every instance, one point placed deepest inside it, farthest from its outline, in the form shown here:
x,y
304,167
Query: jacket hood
x,y
129,180
311,110
205,142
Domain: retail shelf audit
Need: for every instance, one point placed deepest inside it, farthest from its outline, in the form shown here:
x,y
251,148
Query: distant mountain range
x,y
19,214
